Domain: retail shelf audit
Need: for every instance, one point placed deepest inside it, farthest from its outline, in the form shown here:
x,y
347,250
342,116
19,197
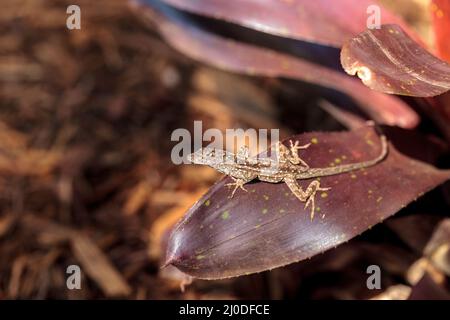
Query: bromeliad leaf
x,y
231,55
388,60
320,21
440,10
268,227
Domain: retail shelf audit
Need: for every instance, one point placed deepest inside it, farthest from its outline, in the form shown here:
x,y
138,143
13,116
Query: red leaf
x,y
440,10
389,61
268,227
244,58
320,21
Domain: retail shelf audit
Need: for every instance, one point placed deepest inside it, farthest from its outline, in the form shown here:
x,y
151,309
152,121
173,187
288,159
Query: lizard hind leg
x,y
311,190
306,196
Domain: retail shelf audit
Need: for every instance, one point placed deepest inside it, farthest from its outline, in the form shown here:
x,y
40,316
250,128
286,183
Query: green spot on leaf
x,y
225,215
314,141
337,160
207,203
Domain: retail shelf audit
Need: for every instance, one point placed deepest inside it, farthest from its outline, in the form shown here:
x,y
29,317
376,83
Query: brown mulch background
x,y
86,178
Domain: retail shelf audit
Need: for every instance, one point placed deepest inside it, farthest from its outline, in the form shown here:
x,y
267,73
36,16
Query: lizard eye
x,y
209,152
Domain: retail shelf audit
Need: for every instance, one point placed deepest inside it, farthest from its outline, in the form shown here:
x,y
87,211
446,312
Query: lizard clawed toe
x,y
313,206
311,199
295,146
294,157
236,184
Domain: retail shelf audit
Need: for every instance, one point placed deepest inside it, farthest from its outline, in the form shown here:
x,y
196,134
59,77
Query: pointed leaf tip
x,y
268,227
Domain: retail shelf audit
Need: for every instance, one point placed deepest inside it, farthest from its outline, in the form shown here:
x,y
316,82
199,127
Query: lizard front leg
x,y
294,158
239,183
305,196
291,154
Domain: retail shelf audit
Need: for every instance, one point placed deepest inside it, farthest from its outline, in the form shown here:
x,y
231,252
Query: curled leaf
x,y
320,21
234,56
268,227
388,60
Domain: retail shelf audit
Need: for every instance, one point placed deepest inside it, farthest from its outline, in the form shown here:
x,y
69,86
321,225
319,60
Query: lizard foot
x,y
294,147
238,183
308,195
313,188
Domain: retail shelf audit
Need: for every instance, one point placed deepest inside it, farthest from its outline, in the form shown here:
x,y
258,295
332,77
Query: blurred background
x,y
85,171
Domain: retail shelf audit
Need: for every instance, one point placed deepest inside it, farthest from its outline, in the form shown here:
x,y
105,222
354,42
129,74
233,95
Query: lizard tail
x,y
352,166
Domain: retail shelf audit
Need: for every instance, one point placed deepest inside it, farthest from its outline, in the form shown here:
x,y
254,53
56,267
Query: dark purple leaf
x,y
244,58
427,149
427,289
267,227
414,230
319,21
388,60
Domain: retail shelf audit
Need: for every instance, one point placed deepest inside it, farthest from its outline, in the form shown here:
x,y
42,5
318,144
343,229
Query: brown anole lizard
x,y
288,168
